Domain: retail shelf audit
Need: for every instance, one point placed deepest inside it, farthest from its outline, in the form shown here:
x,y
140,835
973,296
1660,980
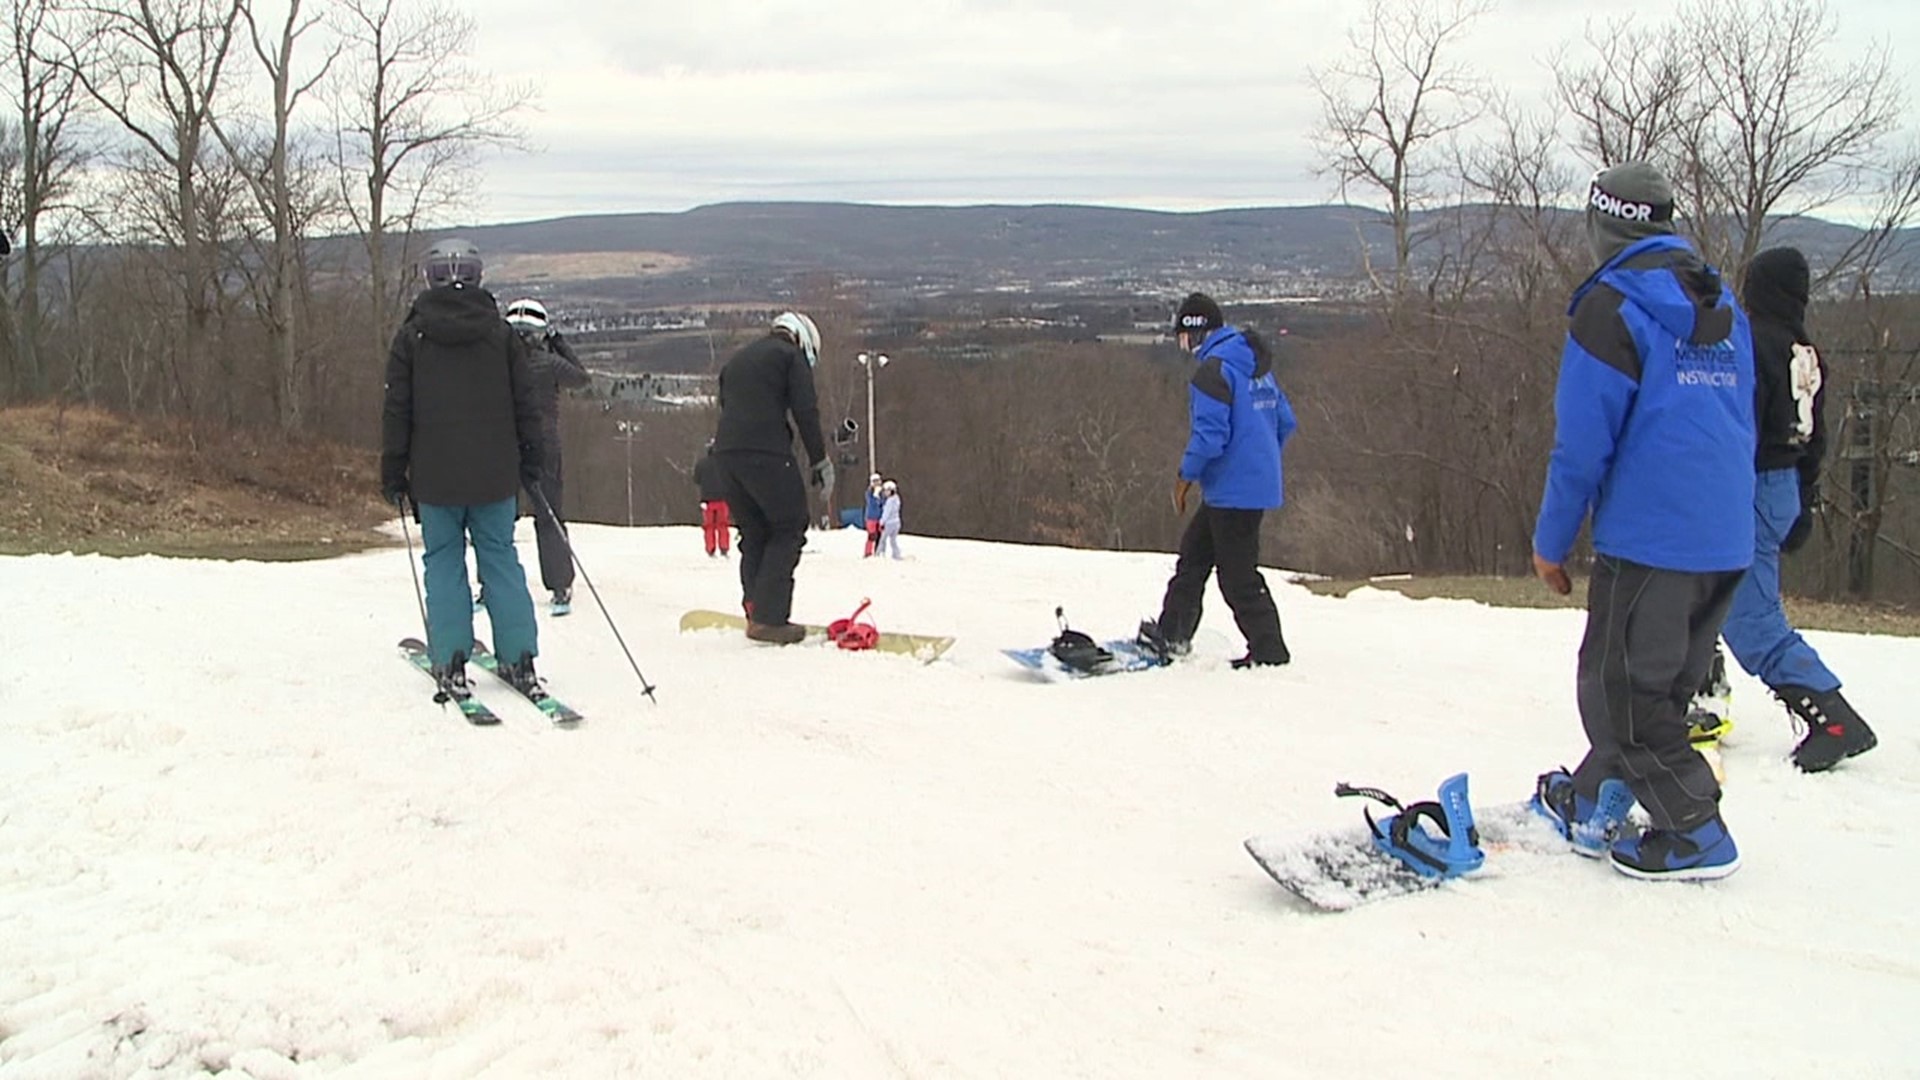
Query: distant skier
x,y
1654,437
1239,422
890,518
715,528
460,433
1790,392
876,502
760,387
555,368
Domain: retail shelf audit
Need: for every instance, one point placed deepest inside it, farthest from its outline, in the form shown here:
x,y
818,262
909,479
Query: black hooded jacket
x,y
461,418
759,387
1775,296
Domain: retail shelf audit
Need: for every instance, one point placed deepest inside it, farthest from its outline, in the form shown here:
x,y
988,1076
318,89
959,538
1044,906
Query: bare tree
x,y
155,66
274,188
412,114
1384,104
46,101
1636,95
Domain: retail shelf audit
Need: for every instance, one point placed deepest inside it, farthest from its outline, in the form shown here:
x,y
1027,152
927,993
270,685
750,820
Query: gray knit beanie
x,y
1627,204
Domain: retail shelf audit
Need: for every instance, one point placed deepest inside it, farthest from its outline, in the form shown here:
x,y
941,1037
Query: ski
x,y
555,710
475,712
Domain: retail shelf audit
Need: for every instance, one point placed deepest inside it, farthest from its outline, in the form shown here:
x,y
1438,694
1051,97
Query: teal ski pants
x,y
444,531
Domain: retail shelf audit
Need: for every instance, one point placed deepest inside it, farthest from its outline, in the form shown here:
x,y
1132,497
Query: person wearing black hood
x,y
460,434
1653,440
1788,396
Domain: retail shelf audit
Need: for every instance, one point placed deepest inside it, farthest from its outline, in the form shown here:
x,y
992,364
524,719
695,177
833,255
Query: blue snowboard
x,y
1127,656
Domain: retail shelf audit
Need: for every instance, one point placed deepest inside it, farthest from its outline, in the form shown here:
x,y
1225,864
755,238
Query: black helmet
x,y
452,261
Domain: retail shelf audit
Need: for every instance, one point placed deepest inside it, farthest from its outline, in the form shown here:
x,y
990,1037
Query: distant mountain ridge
x,y
993,245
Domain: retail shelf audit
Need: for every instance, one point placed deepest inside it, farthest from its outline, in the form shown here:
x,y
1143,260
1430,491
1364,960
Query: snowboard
x,y
925,648
1127,656
1342,870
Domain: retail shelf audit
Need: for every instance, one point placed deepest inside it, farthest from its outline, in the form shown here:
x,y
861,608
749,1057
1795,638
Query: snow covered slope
x,y
235,834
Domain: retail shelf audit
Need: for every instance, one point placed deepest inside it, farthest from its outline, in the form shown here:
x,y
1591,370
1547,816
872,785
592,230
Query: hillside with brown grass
x,y
86,480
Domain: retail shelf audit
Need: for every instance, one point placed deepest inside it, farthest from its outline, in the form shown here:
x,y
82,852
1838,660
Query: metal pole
x,y
873,458
629,480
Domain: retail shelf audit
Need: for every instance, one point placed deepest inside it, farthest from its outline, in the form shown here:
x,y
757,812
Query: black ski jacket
x,y
460,424
1775,296
713,485
554,368
759,386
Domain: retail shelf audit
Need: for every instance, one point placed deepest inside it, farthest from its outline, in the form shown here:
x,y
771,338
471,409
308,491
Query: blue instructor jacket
x,y
1654,417
1239,421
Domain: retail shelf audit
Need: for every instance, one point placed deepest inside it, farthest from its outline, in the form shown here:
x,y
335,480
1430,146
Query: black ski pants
x,y
556,564
1227,541
1648,646
768,501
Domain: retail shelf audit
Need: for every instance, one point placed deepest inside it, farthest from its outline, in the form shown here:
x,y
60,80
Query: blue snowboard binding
x,y
1454,851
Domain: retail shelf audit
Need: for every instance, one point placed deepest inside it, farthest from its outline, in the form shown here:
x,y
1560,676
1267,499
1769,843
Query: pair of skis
x,y
473,709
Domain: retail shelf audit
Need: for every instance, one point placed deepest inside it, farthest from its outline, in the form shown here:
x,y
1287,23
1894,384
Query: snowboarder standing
x,y
875,503
460,433
554,368
889,518
1654,438
715,529
760,387
1239,420
1789,394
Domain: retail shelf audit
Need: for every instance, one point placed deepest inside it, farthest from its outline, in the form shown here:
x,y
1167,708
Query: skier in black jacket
x,y
1790,381
554,368
760,387
460,433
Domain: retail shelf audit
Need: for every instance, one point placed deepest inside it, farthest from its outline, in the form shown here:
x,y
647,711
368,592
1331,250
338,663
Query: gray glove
x,y
823,474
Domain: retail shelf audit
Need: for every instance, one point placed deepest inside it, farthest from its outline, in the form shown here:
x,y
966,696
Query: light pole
x,y
872,362
629,430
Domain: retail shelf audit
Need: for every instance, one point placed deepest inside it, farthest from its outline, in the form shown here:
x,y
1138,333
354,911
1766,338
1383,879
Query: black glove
x,y
393,486
1802,526
823,474
1797,534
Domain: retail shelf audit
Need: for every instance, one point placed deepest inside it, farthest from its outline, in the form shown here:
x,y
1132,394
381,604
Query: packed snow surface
x,y
237,837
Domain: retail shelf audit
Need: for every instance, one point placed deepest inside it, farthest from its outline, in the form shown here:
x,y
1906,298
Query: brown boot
x,y
778,634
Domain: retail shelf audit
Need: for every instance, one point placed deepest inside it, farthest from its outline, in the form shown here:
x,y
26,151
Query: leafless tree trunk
x,y
412,113
155,66
46,100
273,190
1394,94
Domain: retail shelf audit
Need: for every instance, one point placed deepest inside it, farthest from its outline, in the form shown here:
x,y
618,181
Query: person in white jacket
x,y
889,519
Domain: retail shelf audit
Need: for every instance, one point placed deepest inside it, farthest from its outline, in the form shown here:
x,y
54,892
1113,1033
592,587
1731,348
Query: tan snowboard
x,y
925,648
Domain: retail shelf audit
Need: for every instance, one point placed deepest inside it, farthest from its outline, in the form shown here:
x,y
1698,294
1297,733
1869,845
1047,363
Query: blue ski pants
x,y
444,531
1757,631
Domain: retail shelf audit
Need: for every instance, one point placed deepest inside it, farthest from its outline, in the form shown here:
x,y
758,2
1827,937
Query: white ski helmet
x,y
452,261
527,314
803,333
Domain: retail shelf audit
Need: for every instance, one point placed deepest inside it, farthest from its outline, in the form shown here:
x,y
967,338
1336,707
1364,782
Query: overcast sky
x,y
665,106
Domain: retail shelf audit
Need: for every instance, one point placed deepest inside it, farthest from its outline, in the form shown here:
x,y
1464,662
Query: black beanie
x,y
1198,315
1625,205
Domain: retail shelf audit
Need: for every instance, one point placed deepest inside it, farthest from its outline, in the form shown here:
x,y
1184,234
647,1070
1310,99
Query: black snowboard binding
x,y
1075,649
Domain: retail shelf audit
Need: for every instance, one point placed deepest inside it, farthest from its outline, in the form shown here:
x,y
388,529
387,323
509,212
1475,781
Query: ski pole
x,y
418,596
540,500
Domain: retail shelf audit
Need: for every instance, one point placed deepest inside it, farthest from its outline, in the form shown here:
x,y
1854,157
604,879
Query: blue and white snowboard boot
x,y
1588,824
1454,851
1703,853
562,602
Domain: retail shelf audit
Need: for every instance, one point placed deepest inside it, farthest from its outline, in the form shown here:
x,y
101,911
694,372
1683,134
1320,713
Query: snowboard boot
x,y
452,680
1154,641
521,677
1834,731
1454,851
562,602
777,634
1589,825
1710,714
1701,853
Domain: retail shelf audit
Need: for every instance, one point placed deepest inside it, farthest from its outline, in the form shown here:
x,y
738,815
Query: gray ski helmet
x,y
452,261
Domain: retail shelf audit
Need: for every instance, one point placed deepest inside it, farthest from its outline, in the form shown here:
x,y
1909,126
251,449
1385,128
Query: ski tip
x,y
413,644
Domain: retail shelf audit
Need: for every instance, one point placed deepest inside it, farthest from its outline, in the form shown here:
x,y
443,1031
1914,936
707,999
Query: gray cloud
x,y
650,106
